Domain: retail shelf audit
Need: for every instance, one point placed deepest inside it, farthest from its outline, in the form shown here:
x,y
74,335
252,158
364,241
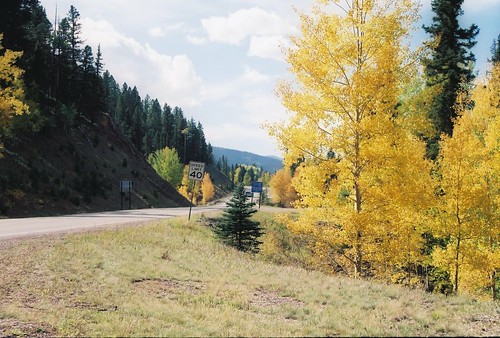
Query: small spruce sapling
x,y
235,227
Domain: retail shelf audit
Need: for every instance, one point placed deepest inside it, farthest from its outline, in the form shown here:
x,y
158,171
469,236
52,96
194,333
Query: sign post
x,y
195,173
257,187
124,187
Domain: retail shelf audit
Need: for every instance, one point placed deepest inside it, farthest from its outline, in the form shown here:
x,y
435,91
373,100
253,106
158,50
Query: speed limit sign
x,y
196,170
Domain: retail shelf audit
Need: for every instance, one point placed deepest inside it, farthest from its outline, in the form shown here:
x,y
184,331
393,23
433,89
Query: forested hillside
x,y
59,99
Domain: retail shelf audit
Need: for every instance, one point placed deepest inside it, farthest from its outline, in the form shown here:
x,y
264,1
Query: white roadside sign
x,y
196,170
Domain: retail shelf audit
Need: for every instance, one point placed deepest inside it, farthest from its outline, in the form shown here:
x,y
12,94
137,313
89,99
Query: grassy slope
x,y
174,279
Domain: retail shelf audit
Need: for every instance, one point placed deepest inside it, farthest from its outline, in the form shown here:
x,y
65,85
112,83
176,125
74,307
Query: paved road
x,y
36,226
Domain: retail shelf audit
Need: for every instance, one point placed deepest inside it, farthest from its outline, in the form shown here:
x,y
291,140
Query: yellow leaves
x,y
415,105
166,163
469,208
317,184
475,265
463,160
486,98
362,177
494,85
190,189
345,133
207,189
282,191
196,191
11,90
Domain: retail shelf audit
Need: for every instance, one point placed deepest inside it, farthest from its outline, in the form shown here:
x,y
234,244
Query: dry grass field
x,y
173,278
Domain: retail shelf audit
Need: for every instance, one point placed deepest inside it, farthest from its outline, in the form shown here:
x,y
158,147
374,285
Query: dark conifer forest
x,y
66,85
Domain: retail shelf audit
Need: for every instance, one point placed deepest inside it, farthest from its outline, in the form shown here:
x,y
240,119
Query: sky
x,y
220,60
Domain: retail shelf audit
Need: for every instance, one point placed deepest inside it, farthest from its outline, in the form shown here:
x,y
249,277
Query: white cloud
x,y
195,40
260,107
225,131
156,32
171,79
228,90
267,46
175,75
218,92
253,75
243,23
101,31
162,31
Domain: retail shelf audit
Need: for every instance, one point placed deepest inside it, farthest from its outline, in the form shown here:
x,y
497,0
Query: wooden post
x,y
191,205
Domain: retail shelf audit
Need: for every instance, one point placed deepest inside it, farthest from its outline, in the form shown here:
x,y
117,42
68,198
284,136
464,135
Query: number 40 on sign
x,y
196,170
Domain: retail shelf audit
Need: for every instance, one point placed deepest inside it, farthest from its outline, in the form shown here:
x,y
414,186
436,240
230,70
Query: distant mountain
x,y
269,163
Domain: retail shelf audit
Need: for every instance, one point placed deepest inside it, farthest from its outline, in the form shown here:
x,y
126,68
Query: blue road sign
x,y
257,186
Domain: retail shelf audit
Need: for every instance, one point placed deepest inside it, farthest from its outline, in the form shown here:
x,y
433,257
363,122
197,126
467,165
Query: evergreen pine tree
x,y
495,51
98,83
450,66
235,227
111,93
86,97
167,127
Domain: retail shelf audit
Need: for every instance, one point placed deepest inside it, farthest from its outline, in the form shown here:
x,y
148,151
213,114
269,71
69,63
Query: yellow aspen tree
x,y
186,185
11,90
167,164
469,208
236,177
362,175
282,191
491,167
459,159
207,189
190,189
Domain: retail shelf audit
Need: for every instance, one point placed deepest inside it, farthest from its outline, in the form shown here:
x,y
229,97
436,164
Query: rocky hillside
x,y
78,170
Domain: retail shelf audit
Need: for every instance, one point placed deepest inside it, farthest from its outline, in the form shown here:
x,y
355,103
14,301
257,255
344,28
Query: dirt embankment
x,y
79,170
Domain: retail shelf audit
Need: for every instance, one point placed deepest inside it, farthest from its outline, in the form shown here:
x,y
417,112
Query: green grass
x,y
173,278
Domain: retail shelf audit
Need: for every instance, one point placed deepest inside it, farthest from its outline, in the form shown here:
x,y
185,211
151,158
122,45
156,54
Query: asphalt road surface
x,y
39,226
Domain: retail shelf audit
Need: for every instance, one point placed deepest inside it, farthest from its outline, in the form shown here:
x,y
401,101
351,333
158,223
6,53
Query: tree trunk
x,y
359,257
493,285
457,265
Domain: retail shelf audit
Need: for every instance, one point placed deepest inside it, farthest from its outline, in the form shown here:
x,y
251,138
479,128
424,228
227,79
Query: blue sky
x,y
219,60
